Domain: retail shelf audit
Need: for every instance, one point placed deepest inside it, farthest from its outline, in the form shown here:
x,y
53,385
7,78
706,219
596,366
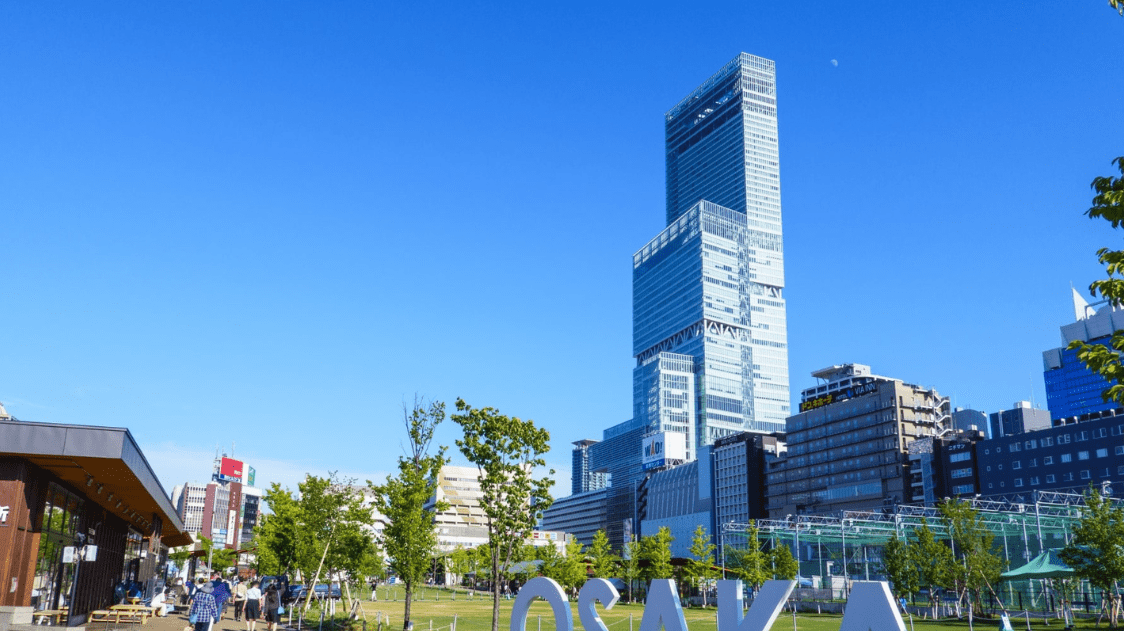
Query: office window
x,y
1119,450
1050,477
1047,460
1084,474
1034,481
1102,453
1017,464
1033,462
1018,482
1082,455
1067,457
1083,435
1016,447
1048,442
1031,444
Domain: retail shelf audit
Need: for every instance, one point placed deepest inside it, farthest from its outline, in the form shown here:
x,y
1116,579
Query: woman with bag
x,y
273,608
204,609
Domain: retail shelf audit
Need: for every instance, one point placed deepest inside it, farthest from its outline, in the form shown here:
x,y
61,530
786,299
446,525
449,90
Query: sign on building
x,y
661,447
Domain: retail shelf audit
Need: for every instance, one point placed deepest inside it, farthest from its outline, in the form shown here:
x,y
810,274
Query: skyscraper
x,y
1071,388
708,290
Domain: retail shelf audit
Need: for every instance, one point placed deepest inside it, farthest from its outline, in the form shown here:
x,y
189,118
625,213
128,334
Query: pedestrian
x,y
204,610
253,606
239,599
221,592
159,602
374,589
272,604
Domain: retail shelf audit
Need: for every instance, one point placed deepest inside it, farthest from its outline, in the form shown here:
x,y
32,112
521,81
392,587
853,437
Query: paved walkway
x,y
177,621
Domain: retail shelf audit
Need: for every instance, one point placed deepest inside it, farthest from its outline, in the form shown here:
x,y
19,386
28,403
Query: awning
x,y
105,464
1045,565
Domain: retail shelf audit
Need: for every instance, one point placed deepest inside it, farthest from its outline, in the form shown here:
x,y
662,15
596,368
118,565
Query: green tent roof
x,y
1045,565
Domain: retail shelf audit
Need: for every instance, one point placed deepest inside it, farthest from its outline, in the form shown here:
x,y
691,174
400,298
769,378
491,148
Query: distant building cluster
x,y
224,510
712,440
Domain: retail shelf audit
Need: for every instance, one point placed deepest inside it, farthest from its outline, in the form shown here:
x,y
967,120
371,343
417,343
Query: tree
x,y
749,563
976,568
783,563
897,558
330,510
656,550
568,569
409,539
459,562
506,452
1108,204
1118,5
630,565
604,563
1097,550
278,534
933,560
700,568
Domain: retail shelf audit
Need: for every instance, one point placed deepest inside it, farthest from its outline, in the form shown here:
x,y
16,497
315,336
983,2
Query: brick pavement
x,y
176,622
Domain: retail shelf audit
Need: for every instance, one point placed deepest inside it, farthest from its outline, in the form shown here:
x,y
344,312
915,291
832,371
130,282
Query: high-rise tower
x,y
708,297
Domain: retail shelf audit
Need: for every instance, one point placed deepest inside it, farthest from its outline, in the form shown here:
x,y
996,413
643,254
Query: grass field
x,y
437,607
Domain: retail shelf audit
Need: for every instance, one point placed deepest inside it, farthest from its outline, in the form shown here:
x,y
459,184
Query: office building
x,y
968,420
582,477
224,510
1019,419
679,499
618,456
1068,456
739,463
463,523
848,446
580,515
1071,388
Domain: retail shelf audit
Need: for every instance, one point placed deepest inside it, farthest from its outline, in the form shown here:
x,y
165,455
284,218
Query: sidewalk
x,y
176,622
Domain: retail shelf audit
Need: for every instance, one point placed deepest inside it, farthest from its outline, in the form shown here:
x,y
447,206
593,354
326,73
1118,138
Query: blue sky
x,y
270,224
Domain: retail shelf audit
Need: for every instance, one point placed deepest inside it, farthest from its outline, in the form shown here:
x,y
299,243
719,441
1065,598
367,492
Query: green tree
x,y
574,569
604,563
934,562
1097,550
459,562
506,452
900,566
1108,204
700,567
784,565
278,533
656,551
178,556
409,539
977,567
630,565
331,517
750,563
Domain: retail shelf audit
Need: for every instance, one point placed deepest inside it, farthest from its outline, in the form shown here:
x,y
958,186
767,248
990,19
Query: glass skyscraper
x,y
1071,388
709,326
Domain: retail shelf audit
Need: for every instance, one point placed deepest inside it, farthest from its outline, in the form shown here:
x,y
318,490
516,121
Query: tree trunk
x,y
409,600
312,587
496,590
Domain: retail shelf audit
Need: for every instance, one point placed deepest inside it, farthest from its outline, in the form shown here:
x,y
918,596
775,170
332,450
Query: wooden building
x,y
80,511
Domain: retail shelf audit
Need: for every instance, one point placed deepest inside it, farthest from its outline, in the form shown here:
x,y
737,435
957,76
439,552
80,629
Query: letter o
x,y
551,592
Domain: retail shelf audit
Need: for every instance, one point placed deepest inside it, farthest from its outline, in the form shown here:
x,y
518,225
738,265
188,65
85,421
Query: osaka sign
x,y
869,608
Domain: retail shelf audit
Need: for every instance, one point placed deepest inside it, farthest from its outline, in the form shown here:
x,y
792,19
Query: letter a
x,y
870,607
760,617
662,607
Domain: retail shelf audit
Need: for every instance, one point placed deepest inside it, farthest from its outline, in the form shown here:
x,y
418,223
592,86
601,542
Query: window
x,y
961,473
1017,464
1119,451
1063,439
1104,472
1068,477
1082,455
959,456
1067,457
964,489
1083,435
1084,474
1015,447
1031,444
1048,442
1050,478
1033,462
1034,481
987,452
1102,453
1018,482
1100,433
1047,460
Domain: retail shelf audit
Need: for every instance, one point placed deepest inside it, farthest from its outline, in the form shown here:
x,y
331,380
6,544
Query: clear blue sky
x,y
272,223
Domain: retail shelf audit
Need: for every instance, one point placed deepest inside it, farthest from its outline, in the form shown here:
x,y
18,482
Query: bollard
x,y
321,627
630,622
540,621
454,623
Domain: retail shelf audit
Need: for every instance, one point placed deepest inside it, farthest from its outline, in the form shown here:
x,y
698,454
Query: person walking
x,y
203,610
239,600
271,605
253,606
374,589
221,592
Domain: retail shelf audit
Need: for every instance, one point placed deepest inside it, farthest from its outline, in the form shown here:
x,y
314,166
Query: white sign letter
x,y
662,607
870,607
593,591
760,617
551,592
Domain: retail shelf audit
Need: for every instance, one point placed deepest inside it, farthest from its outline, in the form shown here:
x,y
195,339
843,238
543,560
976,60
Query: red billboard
x,y
231,470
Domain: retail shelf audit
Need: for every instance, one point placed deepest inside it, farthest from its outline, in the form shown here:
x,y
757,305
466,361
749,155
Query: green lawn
x,y
437,608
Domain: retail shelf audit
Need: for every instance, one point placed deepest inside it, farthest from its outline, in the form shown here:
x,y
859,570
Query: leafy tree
x,y
700,568
574,571
278,533
332,515
784,564
178,556
506,451
901,569
409,539
1118,5
630,565
656,550
934,562
750,563
459,562
604,563
1108,204
1097,550
977,568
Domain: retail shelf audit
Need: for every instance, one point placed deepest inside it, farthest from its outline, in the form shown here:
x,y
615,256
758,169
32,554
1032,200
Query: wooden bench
x,y
119,614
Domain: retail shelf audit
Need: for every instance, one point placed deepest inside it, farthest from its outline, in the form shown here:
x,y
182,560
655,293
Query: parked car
x,y
294,593
281,580
323,591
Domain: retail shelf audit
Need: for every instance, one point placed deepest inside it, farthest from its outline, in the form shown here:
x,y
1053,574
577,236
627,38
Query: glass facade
x,y
1072,389
698,295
